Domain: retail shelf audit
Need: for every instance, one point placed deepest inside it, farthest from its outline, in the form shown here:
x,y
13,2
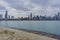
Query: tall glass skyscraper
x,y
30,15
6,15
1,16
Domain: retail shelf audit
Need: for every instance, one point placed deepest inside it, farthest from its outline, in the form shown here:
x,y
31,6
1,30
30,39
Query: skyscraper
x,y
6,15
30,15
58,15
1,16
12,17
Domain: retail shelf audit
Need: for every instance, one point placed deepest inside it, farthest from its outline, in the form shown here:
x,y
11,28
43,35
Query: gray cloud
x,y
2,7
40,2
17,4
21,4
37,7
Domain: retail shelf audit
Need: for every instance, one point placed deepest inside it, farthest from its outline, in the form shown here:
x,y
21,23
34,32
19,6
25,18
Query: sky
x,y
19,8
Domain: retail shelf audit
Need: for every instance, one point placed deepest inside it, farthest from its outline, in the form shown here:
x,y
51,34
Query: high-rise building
x,y
58,15
6,15
30,15
12,17
1,16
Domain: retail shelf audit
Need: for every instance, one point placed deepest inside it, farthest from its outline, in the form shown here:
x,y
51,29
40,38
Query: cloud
x,y
24,7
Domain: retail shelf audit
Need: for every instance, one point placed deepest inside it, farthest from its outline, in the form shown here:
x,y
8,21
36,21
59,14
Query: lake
x,y
44,26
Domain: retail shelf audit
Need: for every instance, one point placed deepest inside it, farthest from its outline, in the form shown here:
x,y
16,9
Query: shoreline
x,y
29,20
19,34
40,33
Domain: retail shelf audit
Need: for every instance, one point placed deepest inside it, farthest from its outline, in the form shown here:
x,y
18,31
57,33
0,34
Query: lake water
x,y
44,26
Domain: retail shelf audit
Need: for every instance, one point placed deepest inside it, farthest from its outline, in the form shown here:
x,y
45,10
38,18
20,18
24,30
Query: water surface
x,y
44,26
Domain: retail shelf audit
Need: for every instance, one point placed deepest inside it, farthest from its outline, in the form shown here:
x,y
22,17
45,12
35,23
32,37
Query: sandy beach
x,y
14,34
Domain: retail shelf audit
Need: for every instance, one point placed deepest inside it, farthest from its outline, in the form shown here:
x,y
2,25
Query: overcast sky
x,y
24,7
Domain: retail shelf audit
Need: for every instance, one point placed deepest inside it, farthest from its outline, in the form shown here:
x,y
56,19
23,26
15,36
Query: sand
x,y
14,34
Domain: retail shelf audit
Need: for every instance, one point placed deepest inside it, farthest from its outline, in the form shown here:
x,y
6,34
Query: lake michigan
x,y
43,26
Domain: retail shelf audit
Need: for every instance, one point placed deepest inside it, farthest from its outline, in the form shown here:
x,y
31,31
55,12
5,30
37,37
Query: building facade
x,y
6,14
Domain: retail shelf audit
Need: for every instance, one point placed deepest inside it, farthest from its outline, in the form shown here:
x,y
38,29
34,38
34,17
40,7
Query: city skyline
x,y
30,17
37,7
